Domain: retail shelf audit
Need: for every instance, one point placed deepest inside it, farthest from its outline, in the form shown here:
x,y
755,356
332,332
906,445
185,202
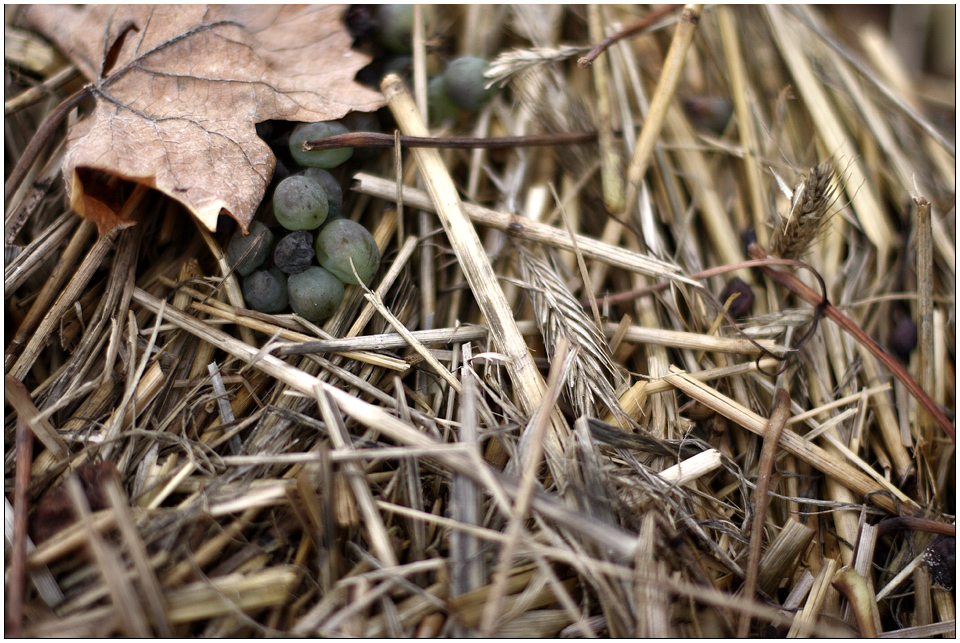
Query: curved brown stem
x,y
806,293
915,524
626,32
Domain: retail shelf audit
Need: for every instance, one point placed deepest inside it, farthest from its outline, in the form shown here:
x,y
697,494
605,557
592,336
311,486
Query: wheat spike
x,y
517,61
594,373
811,199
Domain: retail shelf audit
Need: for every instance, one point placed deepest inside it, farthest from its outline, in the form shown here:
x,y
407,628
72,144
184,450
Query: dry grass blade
x,y
476,266
529,230
132,619
666,86
513,63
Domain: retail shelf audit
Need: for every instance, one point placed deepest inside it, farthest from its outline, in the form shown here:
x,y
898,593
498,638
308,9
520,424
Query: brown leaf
x,y
180,88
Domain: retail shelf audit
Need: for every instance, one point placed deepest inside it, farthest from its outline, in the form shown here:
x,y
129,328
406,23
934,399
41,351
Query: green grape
x,y
399,65
335,214
247,252
395,27
313,132
465,83
342,240
329,183
438,100
300,203
266,290
315,294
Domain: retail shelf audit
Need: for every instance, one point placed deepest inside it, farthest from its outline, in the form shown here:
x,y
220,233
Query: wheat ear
x,y
811,200
593,375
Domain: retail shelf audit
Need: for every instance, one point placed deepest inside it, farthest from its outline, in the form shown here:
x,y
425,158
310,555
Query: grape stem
x,y
377,139
626,32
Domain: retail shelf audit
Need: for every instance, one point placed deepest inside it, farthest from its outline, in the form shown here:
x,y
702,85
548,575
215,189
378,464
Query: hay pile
x,y
542,419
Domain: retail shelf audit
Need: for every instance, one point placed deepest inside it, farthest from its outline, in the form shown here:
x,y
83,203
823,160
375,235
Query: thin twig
x,y
18,565
626,32
804,291
40,138
378,139
768,454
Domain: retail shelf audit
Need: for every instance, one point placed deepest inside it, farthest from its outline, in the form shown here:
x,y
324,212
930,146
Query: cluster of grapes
x,y
460,87
278,272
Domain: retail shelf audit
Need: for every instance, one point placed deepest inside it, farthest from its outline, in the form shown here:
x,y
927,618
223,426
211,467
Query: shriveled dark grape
x,y
315,294
300,203
294,253
740,306
247,252
266,291
344,240
903,338
313,132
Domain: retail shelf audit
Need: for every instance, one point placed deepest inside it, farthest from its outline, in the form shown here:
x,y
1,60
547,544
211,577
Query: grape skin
x,y
247,252
465,83
329,184
300,203
395,27
318,158
342,240
438,100
266,291
315,294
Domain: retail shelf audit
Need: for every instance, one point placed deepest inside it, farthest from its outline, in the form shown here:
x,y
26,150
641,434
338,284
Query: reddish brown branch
x,y
18,563
768,455
633,29
915,524
630,295
377,139
806,293
761,259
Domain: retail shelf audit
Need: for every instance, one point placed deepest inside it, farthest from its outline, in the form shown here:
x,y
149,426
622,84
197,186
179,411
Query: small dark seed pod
x,y
941,557
709,112
747,237
740,306
903,338
294,253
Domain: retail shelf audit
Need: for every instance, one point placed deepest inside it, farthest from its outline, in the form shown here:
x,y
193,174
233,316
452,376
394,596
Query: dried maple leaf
x,y
180,88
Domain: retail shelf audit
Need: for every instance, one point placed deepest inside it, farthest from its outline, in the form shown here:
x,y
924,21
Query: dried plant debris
x,y
528,422
593,375
809,204
941,557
